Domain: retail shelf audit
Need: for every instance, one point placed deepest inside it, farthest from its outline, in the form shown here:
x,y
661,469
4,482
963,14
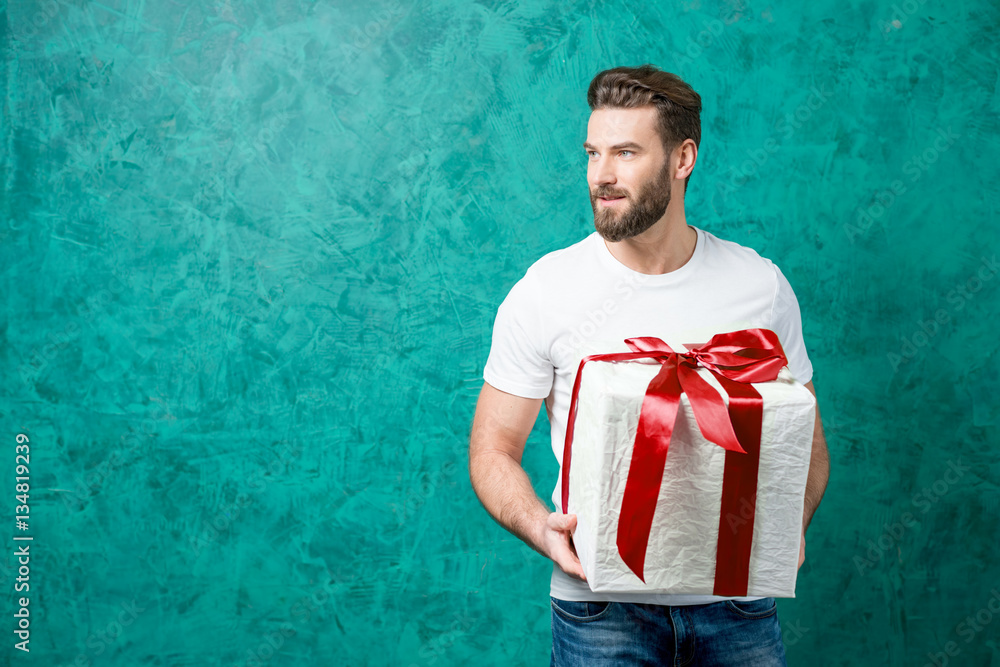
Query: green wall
x,y
251,257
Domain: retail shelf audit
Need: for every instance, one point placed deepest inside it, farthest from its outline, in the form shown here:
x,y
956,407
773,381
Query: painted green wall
x,y
251,256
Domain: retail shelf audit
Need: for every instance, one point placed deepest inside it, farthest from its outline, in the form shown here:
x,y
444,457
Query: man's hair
x,y
678,105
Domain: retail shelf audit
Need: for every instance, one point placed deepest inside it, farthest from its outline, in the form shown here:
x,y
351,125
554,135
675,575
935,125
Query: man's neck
x,y
658,250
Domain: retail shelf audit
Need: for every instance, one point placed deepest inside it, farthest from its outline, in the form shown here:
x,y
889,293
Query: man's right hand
x,y
499,432
557,538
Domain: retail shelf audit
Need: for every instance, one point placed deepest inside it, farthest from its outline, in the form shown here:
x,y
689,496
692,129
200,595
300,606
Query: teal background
x,y
251,257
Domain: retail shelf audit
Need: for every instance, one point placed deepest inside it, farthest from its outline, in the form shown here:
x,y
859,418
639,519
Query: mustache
x,y
609,194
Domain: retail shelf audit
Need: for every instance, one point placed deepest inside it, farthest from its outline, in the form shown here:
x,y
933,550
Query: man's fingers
x,y
569,563
564,551
562,521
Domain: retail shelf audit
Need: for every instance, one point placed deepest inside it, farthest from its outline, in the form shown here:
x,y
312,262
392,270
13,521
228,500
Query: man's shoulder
x,y
550,272
733,256
558,262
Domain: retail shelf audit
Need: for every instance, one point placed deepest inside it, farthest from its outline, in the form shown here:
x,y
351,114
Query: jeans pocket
x,y
761,608
580,612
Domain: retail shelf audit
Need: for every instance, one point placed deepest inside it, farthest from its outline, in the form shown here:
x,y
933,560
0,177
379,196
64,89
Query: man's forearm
x,y
819,473
505,491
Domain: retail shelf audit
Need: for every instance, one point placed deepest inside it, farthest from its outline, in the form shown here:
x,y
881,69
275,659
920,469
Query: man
x,y
643,272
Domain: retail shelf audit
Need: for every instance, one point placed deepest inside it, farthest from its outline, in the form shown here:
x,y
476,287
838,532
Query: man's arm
x,y
819,468
500,430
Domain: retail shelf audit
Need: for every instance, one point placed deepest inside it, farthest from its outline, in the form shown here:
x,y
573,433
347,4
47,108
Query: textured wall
x,y
251,256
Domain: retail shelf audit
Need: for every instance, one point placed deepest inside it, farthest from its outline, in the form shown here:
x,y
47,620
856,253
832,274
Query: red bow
x,y
736,359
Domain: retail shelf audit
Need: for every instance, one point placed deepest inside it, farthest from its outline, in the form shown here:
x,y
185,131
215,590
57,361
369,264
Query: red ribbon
x,y
735,359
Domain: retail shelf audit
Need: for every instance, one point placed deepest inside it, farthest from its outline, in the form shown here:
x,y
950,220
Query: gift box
x,y
686,465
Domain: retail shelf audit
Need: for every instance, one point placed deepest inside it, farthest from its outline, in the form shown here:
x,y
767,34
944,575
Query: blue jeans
x,y
720,634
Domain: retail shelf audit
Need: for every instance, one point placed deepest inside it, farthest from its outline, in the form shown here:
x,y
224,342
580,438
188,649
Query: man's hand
x,y
556,540
802,548
499,432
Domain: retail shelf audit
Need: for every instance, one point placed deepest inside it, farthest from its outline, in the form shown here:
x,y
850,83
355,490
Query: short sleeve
x,y
518,363
786,321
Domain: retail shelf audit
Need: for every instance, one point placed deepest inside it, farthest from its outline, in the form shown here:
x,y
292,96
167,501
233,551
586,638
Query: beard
x,y
632,217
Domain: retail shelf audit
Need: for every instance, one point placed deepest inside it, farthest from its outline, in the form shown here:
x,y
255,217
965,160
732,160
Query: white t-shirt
x,y
581,300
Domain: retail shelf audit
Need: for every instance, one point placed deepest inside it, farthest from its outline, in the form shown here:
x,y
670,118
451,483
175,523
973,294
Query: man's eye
x,y
591,153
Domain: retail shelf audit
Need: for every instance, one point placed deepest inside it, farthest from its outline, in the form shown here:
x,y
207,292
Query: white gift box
x,y
681,555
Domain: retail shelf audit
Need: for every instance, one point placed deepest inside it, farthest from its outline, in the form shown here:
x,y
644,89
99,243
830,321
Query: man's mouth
x,y
610,201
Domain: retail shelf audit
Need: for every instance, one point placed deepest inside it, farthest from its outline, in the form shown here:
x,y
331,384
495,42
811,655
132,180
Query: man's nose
x,y
602,172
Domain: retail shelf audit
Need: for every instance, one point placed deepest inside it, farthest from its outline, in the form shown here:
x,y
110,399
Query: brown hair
x,y
678,105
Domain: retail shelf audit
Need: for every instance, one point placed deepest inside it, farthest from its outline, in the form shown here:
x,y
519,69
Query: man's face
x,y
628,172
